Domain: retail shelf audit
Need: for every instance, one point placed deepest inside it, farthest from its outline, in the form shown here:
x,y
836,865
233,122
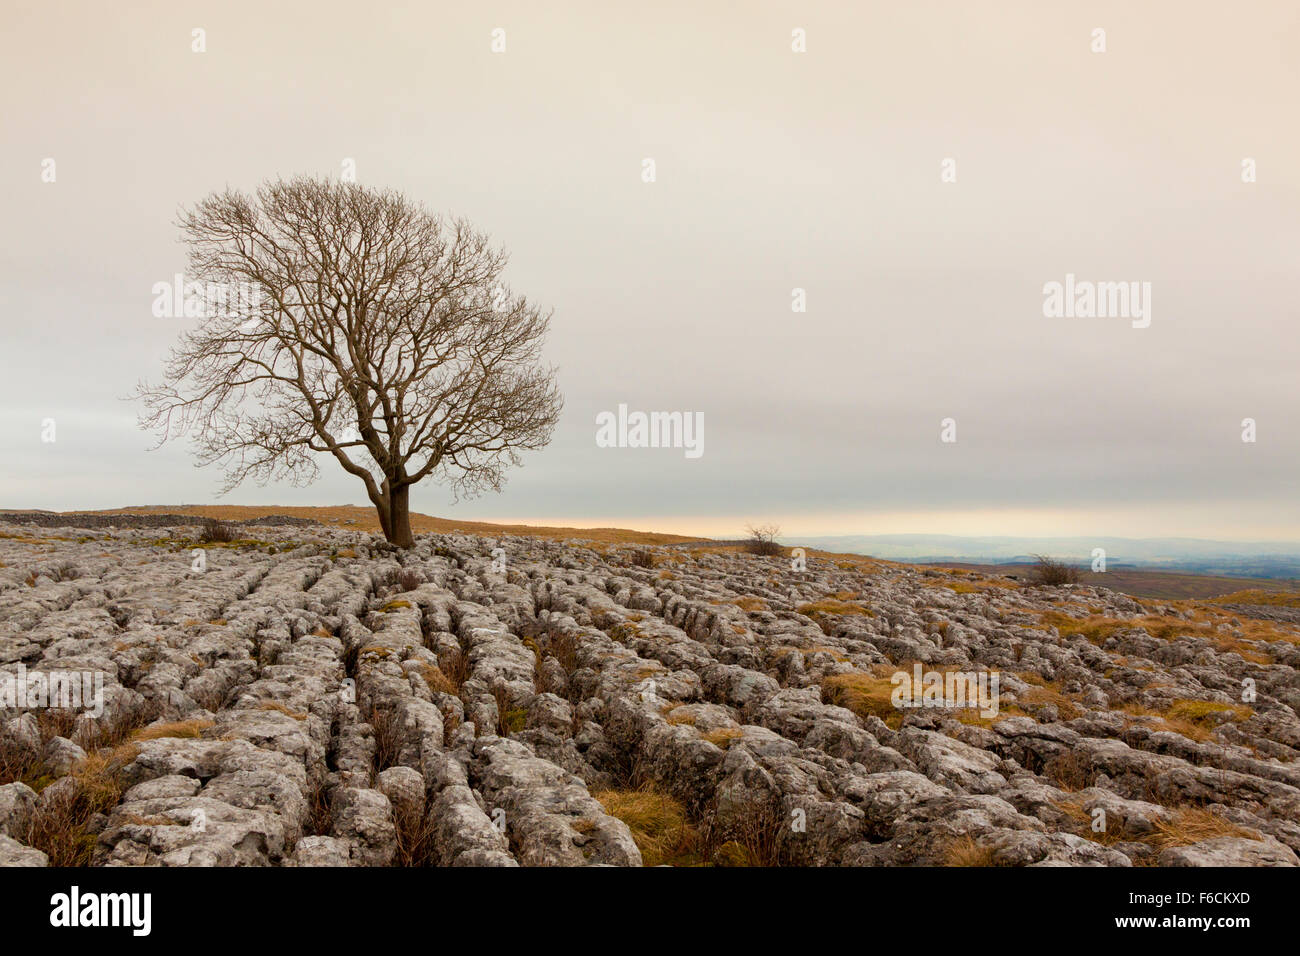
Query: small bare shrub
x,y
1049,571
407,579
762,540
415,836
744,836
214,531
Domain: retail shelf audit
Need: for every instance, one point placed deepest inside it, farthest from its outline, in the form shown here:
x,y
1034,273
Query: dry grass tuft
x,y
180,728
1210,711
510,720
1070,770
416,829
277,706
60,825
437,681
1187,825
864,694
832,606
659,824
388,739
723,736
964,851
1193,824
748,835
1194,719
746,602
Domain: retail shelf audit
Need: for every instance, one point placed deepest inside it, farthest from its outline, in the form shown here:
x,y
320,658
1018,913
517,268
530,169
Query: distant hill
x,y
1256,559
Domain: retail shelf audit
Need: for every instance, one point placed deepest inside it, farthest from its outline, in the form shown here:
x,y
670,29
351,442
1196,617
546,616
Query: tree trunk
x,y
385,525
398,527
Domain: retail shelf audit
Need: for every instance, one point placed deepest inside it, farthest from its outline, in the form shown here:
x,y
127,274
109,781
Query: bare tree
x,y
762,539
370,330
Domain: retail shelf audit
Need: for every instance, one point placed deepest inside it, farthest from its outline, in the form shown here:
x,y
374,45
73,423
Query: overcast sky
x,y
775,170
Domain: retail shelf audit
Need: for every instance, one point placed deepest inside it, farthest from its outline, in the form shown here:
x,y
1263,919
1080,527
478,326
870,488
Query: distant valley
x,y
1272,560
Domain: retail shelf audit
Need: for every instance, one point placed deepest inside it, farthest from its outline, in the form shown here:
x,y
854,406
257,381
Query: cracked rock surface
x,y
309,696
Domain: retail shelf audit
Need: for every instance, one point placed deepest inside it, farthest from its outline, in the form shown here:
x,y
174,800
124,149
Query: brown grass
x,y
1194,719
367,520
745,836
747,603
180,728
510,720
388,739
277,706
864,694
1187,825
438,682
832,606
964,851
416,828
456,668
60,824
1070,770
1204,623
1205,710
723,736
1046,692
320,821
1193,824
659,824
1256,596
678,720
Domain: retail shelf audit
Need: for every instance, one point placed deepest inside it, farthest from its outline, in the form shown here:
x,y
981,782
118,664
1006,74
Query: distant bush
x,y
1049,571
762,539
214,531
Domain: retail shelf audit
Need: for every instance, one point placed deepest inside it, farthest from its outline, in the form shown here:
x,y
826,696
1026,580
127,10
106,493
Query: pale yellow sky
x,y
776,170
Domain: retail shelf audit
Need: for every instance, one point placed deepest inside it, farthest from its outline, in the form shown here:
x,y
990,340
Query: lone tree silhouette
x,y
370,330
